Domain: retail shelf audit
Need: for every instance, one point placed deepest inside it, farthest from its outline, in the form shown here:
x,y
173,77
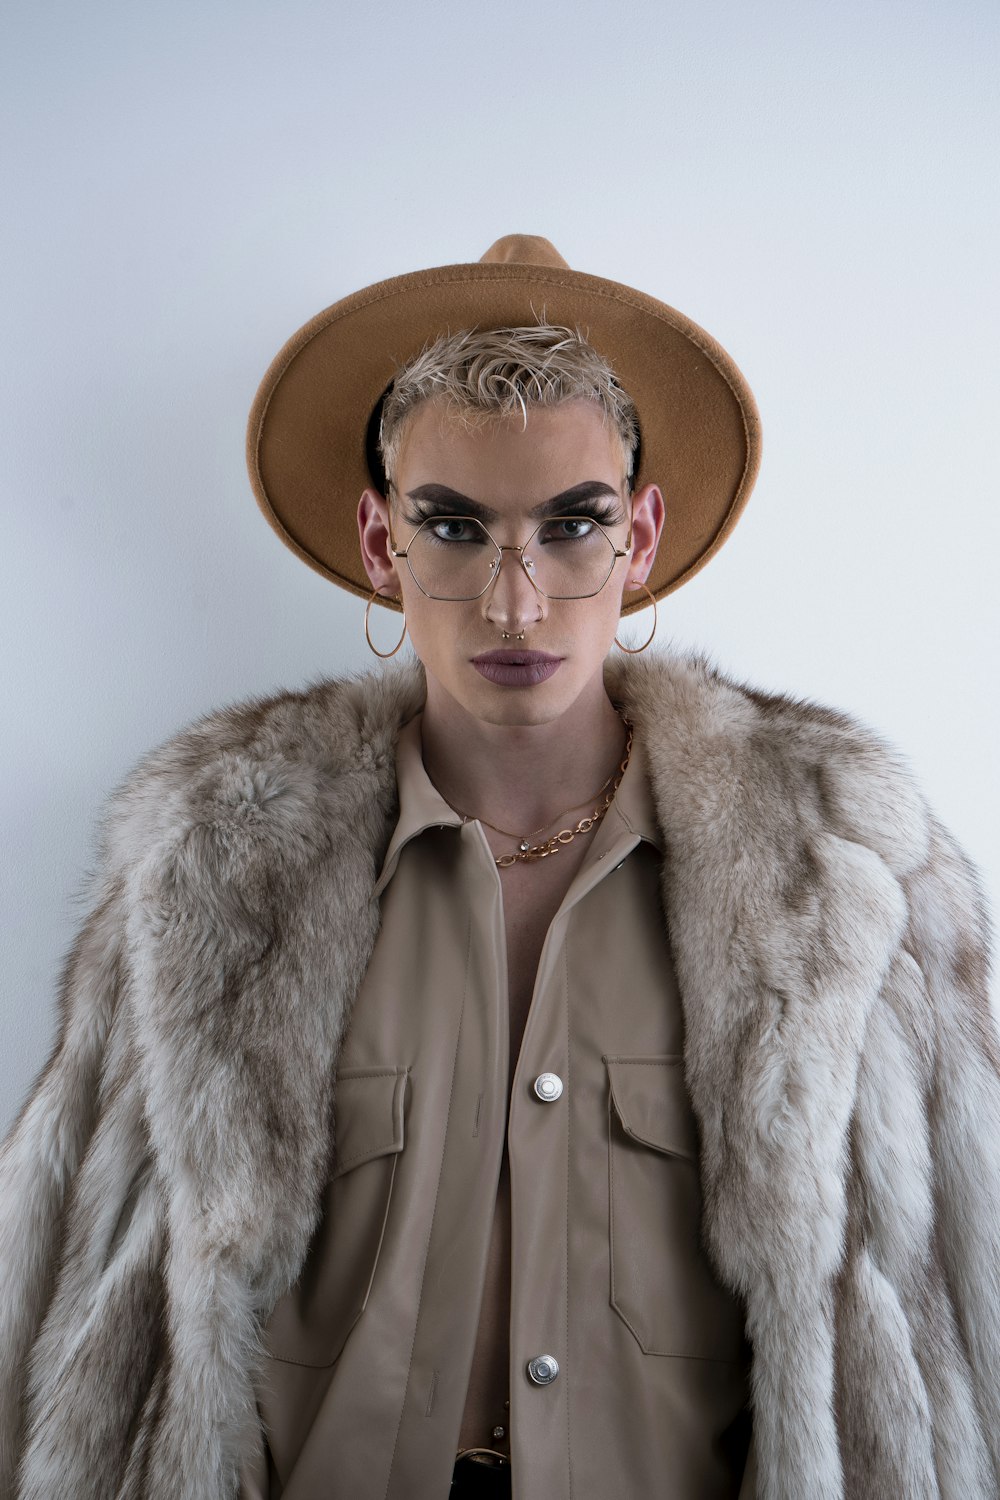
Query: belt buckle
x,y
488,1457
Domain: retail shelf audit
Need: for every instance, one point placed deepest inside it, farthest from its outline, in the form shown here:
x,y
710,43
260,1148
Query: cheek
x,y
417,623
599,622
433,626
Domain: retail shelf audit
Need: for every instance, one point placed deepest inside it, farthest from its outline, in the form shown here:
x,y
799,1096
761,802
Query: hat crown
x,y
525,250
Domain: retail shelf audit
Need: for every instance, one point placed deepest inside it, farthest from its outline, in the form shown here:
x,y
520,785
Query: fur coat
x,y
161,1184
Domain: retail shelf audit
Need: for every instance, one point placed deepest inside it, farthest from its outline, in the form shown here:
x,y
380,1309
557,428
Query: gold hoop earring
x,y
368,637
635,650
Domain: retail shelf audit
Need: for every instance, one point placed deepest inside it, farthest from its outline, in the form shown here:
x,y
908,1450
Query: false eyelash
x,y
417,517
592,510
604,515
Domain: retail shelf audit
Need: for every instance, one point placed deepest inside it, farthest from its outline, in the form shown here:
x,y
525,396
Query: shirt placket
x,y
539,1147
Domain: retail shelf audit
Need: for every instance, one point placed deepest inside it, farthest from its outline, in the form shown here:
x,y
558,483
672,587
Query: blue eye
x,y
454,529
566,529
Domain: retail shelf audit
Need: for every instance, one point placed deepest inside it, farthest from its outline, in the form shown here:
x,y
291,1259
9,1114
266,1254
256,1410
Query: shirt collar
x,y
634,803
421,805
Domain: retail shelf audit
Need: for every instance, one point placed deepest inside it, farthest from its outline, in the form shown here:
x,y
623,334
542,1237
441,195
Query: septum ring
x,y
505,637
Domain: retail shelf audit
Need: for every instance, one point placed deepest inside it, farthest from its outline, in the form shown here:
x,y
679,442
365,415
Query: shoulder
x,y
265,769
769,756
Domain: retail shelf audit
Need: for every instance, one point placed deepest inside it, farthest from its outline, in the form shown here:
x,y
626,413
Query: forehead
x,y
557,447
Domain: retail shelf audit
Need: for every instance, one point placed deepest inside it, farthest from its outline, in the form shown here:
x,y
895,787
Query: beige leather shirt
x,y
369,1354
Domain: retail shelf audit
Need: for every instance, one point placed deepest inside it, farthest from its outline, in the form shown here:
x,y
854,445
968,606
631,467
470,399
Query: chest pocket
x,y
662,1285
310,1324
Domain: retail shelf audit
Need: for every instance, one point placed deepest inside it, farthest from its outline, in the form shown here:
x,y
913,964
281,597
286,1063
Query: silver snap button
x,y
543,1369
548,1087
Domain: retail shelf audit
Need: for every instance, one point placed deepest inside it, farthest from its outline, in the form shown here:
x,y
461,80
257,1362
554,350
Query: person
x,y
543,1067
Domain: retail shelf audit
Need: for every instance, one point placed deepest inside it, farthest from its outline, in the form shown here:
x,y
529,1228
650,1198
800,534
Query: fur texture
x,y
160,1187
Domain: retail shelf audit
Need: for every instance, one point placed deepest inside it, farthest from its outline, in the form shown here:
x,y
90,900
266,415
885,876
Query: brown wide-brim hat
x,y
313,429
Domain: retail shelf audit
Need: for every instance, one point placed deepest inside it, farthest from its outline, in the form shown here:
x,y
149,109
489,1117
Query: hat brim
x,y
307,433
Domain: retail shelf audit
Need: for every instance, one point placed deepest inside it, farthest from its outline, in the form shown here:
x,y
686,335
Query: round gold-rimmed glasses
x,y
455,558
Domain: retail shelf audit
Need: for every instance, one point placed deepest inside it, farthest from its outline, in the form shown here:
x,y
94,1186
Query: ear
x,y
648,515
373,530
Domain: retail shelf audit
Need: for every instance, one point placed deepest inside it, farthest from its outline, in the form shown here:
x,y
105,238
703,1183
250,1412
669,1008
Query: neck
x,y
521,777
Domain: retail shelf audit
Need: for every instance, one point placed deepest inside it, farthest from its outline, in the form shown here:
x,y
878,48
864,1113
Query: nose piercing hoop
x,y
505,637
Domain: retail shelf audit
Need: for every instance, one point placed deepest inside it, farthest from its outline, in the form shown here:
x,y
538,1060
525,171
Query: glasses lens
x,y
567,557
570,557
451,557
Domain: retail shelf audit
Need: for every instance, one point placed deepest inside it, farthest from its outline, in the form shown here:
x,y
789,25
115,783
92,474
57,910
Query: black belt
x,y
480,1478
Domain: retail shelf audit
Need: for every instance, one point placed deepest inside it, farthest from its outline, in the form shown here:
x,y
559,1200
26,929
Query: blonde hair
x,y
500,371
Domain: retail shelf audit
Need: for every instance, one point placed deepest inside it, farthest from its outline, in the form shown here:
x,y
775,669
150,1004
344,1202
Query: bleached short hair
x,y
499,372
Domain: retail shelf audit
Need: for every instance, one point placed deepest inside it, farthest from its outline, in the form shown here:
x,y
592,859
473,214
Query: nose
x,y
513,599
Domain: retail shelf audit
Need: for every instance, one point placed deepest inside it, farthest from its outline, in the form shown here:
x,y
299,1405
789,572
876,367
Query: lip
x,y
516,668
520,658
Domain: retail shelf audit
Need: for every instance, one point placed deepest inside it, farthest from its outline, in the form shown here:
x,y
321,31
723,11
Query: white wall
x,y
185,185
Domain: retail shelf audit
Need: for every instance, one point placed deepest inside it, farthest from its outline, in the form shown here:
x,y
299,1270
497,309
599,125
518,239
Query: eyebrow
x,y
450,502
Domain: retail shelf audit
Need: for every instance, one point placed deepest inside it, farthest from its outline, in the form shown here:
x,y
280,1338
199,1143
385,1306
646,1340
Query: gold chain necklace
x,y
527,851
511,833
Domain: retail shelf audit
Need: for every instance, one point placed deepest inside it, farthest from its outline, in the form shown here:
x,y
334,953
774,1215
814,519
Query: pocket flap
x,y
367,1115
651,1100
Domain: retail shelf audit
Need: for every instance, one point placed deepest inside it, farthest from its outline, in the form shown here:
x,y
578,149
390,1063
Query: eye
x,y
567,529
455,529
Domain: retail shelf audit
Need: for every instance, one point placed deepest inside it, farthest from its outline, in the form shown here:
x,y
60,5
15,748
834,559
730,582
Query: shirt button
x,y
543,1369
548,1087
